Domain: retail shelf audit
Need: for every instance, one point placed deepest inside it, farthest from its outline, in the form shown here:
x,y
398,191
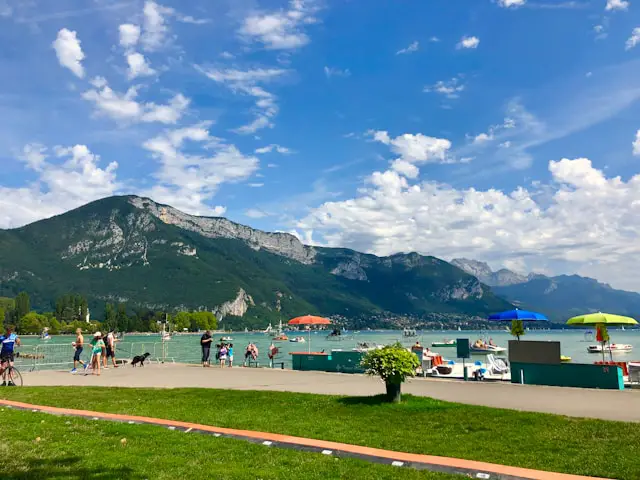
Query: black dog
x,y
140,359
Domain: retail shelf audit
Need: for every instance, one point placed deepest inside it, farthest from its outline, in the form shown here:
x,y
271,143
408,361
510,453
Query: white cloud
x,y
483,138
246,82
227,55
633,40
255,185
154,25
274,147
468,42
450,88
255,213
69,52
392,214
413,47
617,5
125,107
336,72
511,3
414,149
282,30
72,179
189,180
434,39
636,144
138,66
129,35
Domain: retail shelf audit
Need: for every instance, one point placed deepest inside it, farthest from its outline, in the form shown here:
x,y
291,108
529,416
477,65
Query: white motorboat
x,y
45,334
297,340
486,349
227,339
612,347
409,332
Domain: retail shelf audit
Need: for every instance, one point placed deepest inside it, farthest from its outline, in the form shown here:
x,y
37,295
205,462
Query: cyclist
x,y
9,340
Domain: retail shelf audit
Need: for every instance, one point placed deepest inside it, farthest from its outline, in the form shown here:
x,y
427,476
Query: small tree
x,y
517,328
394,364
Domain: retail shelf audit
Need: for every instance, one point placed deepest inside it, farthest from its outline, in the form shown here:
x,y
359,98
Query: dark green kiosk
x,y
343,361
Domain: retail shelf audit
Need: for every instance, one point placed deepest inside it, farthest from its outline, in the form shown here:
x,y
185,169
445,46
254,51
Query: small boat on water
x,y
564,358
409,332
45,334
297,340
226,339
613,347
445,343
483,348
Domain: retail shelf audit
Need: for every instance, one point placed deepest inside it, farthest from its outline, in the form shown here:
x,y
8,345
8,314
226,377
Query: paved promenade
x,y
600,404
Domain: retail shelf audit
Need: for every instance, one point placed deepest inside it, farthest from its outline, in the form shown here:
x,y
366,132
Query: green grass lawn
x,y
73,448
419,425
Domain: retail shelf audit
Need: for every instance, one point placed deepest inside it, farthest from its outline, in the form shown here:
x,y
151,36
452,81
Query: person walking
x,y
78,346
205,344
97,346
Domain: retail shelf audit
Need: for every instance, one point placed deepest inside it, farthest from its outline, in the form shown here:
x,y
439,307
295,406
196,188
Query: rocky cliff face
x,y
483,272
278,243
236,307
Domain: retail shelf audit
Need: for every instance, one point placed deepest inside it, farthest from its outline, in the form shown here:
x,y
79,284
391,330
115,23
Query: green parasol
x,y
602,321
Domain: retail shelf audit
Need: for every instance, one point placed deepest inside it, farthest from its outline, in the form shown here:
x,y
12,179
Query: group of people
x,y
224,351
102,348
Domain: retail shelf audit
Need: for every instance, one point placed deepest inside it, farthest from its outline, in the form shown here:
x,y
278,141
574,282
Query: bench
x,y
250,362
277,361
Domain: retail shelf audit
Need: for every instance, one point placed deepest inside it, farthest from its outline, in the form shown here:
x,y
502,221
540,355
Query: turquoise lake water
x,y
186,348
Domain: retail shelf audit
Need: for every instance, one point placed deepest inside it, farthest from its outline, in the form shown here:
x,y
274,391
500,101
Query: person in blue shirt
x,y
9,341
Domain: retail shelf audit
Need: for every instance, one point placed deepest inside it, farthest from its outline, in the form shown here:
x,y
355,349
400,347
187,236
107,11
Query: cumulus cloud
x,y
189,180
449,88
636,144
69,52
124,107
245,82
336,72
154,25
282,30
633,40
70,179
138,66
392,214
274,148
617,5
413,47
468,42
129,35
414,150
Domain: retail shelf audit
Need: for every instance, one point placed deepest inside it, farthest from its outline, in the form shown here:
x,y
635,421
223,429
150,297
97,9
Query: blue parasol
x,y
517,314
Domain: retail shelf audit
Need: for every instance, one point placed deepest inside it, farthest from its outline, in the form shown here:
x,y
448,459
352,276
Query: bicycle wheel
x,y
15,376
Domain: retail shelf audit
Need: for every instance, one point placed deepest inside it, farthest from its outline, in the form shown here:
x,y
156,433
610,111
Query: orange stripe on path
x,y
480,470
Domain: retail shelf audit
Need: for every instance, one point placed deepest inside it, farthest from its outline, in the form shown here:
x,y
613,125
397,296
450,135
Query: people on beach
x,y
251,353
230,354
273,351
205,344
9,340
97,346
110,347
78,346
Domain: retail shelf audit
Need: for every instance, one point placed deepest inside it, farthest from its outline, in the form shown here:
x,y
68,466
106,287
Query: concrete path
x,y
576,402
469,468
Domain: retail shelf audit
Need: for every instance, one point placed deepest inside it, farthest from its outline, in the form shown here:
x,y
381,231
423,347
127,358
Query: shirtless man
x,y
78,344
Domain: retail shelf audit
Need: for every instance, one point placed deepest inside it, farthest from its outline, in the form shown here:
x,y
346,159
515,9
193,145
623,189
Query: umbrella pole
x,y
309,338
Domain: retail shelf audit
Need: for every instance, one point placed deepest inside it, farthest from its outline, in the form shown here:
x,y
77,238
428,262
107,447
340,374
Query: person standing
x,y
230,354
110,347
8,340
223,354
78,346
205,344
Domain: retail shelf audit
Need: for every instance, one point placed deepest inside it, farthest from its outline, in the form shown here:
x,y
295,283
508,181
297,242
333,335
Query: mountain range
x,y
559,297
132,250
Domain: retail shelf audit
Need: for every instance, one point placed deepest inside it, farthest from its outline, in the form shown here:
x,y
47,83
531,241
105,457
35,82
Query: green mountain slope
x,y
133,250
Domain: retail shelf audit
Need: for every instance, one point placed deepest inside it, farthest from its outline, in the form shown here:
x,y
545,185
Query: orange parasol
x,y
309,320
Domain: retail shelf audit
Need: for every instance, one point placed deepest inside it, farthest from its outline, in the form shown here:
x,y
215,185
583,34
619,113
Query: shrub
x,y
394,364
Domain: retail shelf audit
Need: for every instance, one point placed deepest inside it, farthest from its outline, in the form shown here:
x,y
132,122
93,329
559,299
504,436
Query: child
x,y
230,354
223,354
97,345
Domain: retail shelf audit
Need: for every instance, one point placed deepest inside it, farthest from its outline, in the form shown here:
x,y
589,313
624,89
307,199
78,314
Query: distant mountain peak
x,y
486,275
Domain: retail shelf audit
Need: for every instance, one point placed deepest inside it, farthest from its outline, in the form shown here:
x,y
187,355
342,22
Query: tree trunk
x,y
394,392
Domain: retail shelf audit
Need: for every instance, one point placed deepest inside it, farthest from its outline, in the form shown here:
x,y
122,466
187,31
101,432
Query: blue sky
x,y
494,130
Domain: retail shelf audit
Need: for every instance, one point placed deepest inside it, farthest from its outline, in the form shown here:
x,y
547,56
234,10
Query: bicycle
x,y
13,376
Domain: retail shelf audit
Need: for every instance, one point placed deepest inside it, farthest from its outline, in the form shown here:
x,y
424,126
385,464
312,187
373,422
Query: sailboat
x,y
268,330
280,335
